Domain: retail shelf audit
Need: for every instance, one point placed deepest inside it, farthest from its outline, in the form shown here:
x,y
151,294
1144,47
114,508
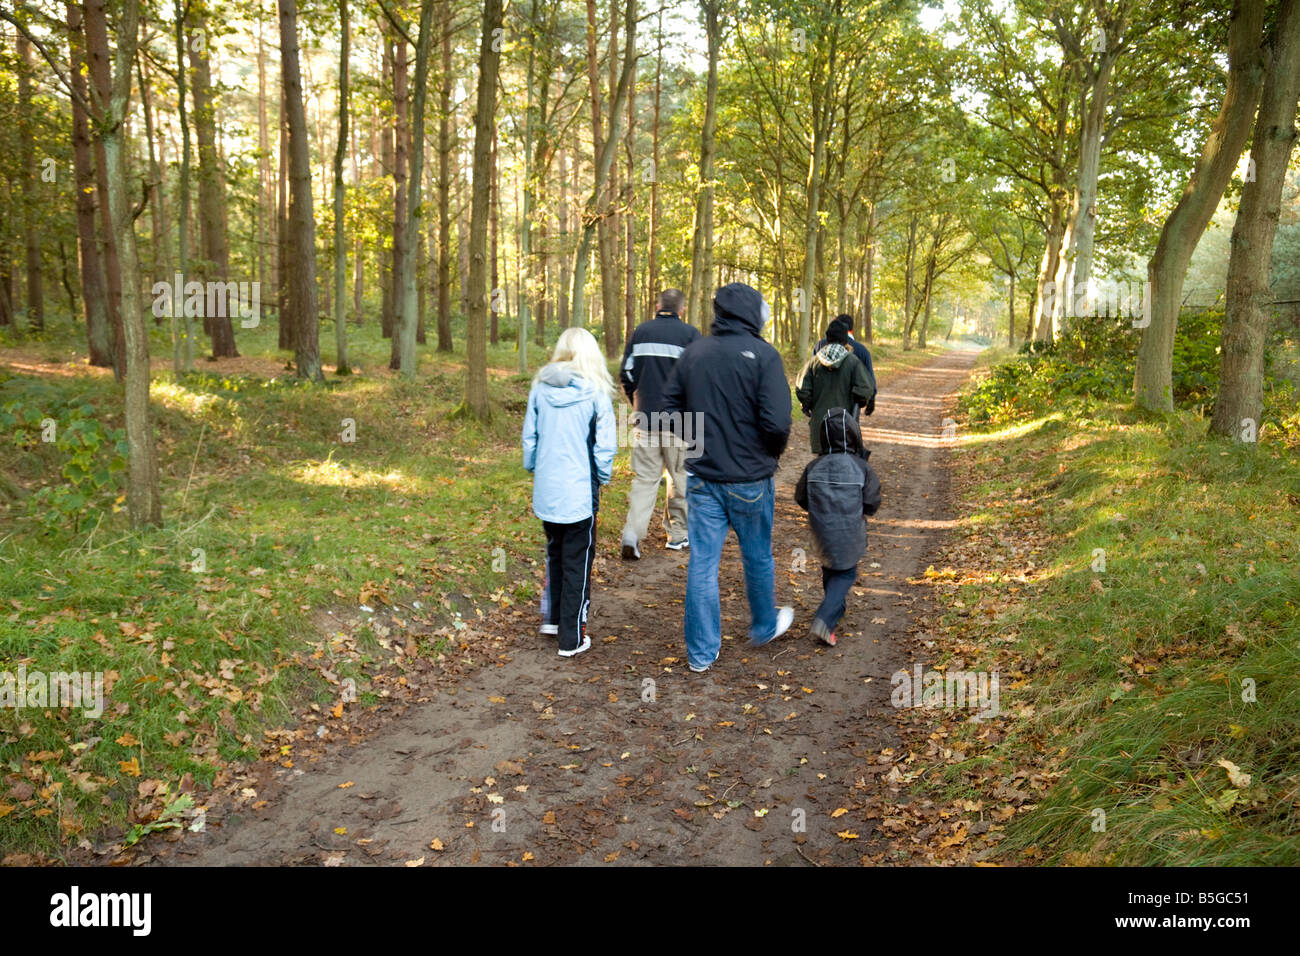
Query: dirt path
x,y
622,755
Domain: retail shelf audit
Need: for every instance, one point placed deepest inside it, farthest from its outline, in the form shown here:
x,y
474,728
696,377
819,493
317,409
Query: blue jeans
x,y
835,585
712,507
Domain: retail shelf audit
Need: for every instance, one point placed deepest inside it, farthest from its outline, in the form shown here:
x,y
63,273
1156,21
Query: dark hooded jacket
x,y
833,378
652,351
730,391
836,489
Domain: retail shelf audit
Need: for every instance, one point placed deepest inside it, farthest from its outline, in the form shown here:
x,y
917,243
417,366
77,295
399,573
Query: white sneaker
x,y
551,629
585,645
678,545
784,618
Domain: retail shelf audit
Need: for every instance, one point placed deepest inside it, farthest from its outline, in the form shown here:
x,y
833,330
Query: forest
x,y
275,279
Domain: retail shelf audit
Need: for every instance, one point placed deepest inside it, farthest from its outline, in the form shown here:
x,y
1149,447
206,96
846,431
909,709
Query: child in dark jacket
x,y
836,489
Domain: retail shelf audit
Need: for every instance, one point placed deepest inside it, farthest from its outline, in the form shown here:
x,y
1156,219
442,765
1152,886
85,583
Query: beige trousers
x,y
653,454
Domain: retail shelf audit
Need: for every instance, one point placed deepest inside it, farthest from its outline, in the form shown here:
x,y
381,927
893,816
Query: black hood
x,y
737,308
840,433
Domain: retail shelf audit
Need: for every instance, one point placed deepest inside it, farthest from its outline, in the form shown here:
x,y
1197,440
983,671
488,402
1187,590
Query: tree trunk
x,y
144,502
98,333
444,180
701,291
101,83
1239,406
182,329
263,161
404,336
652,240
32,213
212,199
340,233
604,161
302,220
401,195
495,292
1153,375
563,298
476,395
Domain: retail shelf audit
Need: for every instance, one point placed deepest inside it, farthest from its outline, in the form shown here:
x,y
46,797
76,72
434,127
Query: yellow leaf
x,y
345,785
341,831
128,740
527,857
496,700
419,862
611,857
436,845
847,835
130,767
338,709
836,814
548,816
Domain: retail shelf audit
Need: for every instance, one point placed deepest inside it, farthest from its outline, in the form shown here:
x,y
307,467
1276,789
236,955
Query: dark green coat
x,y
833,378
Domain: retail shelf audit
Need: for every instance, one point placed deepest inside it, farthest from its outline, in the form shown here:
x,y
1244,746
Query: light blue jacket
x,y
569,444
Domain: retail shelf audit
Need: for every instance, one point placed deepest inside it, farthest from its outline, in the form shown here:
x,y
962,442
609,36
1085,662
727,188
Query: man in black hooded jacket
x,y
730,396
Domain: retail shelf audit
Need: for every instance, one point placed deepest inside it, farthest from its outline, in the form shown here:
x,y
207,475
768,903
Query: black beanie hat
x,y
837,331
846,319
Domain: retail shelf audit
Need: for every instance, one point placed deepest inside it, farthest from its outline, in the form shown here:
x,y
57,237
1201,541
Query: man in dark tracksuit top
x,y
730,387
652,351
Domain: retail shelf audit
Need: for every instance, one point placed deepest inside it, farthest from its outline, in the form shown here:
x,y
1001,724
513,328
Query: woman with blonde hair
x,y
569,445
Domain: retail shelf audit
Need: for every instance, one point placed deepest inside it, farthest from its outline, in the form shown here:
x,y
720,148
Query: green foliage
x,y
90,455
1093,362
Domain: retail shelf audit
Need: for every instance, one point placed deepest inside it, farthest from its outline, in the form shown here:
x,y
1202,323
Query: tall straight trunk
x,y
1047,291
444,179
401,196
263,158
600,211
358,247
495,294
489,58
1153,374
340,232
212,198
406,333
610,236
462,237
389,254
867,314
1075,268
288,323
99,70
182,328
629,193
143,500
821,120
604,161
701,289
1011,310
562,303
1240,402
32,213
98,333
302,220
652,240
909,282
158,238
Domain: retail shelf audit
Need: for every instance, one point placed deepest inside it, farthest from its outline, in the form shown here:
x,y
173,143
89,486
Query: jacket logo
x,y
748,354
